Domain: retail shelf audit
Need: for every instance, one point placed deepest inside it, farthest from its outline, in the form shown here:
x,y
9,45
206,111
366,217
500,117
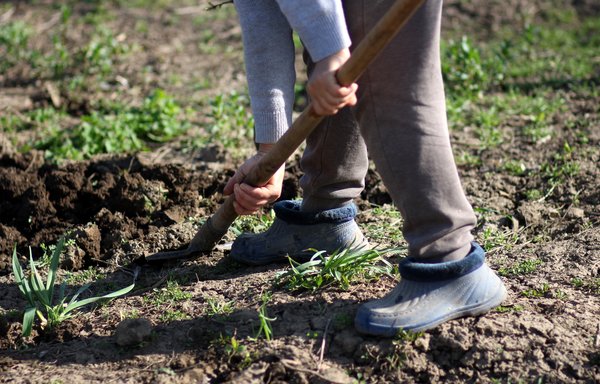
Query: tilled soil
x,y
119,209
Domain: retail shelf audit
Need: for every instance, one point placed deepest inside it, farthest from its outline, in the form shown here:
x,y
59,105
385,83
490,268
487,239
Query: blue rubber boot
x,y
294,232
430,294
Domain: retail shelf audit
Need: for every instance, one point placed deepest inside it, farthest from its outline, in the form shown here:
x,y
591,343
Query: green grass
x,y
14,41
253,223
508,308
467,72
587,284
542,291
493,238
515,83
338,269
562,167
218,307
386,228
521,268
84,276
96,57
123,129
514,167
232,122
170,294
173,315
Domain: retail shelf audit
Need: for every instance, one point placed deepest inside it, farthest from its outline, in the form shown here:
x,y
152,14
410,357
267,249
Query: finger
x,y
323,110
241,210
349,100
248,201
261,193
345,92
235,179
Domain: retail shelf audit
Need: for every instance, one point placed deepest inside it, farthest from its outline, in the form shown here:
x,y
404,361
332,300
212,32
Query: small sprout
x,y
265,321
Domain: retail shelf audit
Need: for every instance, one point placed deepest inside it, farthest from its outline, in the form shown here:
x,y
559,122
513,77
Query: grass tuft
x,y
339,269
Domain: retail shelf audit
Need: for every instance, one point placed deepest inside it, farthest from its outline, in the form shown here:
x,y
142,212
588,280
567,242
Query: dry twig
x,y
218,5
288,364
323,341
7,15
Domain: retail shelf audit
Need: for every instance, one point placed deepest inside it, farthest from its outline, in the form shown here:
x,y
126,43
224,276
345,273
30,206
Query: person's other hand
x,y
327,96
249,199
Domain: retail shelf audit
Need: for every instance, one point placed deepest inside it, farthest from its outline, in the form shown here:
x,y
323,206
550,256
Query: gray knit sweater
x,y
269,53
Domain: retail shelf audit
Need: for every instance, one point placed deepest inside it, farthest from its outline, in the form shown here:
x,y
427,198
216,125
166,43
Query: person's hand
x,y
249,199
327,96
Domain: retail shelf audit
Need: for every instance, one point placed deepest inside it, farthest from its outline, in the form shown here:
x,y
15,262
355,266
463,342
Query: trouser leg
x,y
334,163
402,115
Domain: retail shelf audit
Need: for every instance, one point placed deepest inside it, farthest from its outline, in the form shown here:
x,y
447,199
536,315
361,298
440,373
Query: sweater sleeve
x,y
269,53
320,24
269,57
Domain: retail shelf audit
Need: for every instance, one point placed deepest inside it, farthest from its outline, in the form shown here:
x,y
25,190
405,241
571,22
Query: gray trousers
x,y
400,119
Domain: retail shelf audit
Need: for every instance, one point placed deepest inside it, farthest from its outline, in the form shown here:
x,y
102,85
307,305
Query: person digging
x,y
396,115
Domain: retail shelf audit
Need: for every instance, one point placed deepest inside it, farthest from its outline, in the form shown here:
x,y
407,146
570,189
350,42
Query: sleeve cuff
x,y
269,126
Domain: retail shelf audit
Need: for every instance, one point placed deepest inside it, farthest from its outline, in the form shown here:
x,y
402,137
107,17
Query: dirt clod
x,y
131,332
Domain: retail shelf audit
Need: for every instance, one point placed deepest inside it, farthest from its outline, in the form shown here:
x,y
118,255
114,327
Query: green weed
x,y
387,228
232,122
542,291
124,130
515,167
339,268
253,223
218,307
508,308
464,158
235,350
466,72
587,284
553,56
84,276
408,336
487,122
131,314
493,238
533,194
265,327
40,295
173,315
562,167
524,267
172,293
577,282
397,356
14,40
98,56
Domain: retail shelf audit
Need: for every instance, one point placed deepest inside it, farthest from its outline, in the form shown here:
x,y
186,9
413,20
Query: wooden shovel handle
x,y
363,55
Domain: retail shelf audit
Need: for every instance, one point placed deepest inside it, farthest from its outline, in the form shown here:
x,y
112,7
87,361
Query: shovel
x,y
364,54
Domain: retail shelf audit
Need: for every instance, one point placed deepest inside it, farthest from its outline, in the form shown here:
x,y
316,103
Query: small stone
x,y
336,375
133,332
575,213
347,341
